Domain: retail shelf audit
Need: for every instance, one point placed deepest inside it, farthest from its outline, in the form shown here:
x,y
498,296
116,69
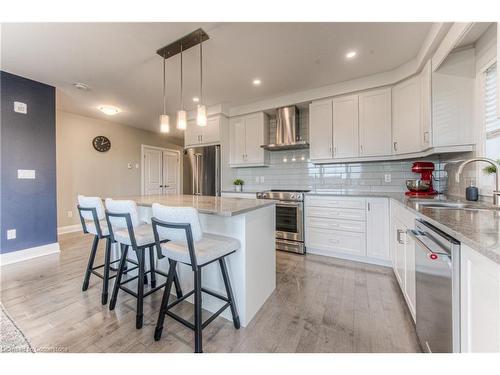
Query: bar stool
x,y
126,229
190,246
92,217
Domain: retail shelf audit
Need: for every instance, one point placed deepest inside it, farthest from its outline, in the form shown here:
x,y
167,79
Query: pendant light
x,y
164,119
201,113
181,114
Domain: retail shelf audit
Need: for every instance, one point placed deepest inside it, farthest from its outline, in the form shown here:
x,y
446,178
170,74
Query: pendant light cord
x,y
201,67
164,105
182,97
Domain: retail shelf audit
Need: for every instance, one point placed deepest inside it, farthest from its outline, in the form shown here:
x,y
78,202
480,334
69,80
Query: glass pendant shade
x,y
201,115
164,124
181,119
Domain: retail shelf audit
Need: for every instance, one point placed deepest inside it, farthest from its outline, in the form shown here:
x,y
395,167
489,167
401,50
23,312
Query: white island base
x,y
252,268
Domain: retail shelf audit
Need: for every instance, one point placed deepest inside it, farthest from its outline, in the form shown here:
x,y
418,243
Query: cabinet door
x,y
192,134
406,116
237,140
480,302
426,102
211,132
410,277
345,127
399,252
377,228
375,127
254,138
321,130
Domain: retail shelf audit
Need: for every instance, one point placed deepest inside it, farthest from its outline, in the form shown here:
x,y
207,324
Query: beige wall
x,y
83,170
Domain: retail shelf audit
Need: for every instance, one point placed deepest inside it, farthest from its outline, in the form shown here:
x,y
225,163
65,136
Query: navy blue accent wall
x,y
28,141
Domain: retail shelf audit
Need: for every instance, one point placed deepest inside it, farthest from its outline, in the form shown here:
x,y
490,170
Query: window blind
x,y
492,122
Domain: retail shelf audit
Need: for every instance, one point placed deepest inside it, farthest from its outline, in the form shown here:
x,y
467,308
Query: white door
x,y
211,132
345,127
237,141
170,172
375,128
321,130
254,138
152,171
377,228
406,116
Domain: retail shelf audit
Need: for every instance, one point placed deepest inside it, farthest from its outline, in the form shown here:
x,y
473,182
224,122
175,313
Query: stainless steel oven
x,y
289,219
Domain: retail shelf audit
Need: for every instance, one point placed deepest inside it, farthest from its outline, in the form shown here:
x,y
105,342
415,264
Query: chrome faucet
x,y
496,192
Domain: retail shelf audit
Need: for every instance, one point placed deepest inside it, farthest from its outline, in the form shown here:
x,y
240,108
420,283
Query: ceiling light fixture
x,y
164,119
109,110
351,54
81,86
196,99
257,82
181,113
201,113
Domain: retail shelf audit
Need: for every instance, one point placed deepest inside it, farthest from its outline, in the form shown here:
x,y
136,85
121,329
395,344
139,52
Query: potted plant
x,y
238,185
490,169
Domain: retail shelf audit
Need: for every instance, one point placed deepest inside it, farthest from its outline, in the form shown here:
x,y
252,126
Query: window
x,y
491,130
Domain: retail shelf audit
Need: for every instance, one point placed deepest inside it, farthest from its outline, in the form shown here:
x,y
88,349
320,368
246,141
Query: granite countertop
x,y
478,229
204,204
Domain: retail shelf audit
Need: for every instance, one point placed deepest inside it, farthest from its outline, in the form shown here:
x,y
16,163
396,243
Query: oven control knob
x,y
292,196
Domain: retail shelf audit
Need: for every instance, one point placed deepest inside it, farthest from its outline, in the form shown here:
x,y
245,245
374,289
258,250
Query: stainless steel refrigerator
x,y
201,171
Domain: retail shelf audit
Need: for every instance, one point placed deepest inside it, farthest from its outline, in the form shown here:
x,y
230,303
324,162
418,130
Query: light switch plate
x,y
387,178
20,107
26,174
11,234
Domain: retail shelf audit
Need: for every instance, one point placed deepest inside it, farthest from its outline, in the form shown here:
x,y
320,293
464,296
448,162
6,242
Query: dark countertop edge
x,y
267,203
401,198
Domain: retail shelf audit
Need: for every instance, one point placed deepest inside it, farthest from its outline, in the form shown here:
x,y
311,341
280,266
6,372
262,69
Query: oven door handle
x,y
288,204
435,251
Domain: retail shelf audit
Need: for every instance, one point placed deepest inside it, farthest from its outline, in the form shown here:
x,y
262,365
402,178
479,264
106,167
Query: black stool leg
x,y
90,264
125,268
118,278
197,312
105,278
229,293
178,290
152,267
164,300
140,288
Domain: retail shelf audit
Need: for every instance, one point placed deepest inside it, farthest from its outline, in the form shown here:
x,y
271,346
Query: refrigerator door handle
x,y
217,172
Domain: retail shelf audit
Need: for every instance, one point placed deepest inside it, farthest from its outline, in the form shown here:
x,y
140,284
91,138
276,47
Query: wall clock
x,y
101,143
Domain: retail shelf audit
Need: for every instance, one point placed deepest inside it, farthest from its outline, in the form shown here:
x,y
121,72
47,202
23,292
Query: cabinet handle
x,y
395,146
368,206
398,236
335,151
361,149
426,137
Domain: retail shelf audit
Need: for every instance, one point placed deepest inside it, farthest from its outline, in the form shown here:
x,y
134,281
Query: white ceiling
x,y
119,64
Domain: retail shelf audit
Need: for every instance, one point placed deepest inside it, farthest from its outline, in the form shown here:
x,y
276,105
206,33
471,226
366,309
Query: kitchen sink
x,y
456,206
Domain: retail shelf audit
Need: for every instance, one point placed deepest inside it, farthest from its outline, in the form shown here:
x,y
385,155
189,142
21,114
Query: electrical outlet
x,y
20,107
70,213
261,179
257,179
24,174
387,178
11,234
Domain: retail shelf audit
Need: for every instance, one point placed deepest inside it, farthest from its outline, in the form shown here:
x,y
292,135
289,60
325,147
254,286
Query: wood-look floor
x,y
320,305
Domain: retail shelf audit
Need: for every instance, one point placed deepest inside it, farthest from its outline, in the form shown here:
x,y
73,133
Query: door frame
x,y
179,174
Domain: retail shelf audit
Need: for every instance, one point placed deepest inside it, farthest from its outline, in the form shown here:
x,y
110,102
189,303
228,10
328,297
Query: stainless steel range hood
x,y
287,131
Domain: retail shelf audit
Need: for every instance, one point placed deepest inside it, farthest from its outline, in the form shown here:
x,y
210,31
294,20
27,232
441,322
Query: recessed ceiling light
x,y
256,82
81,86
350,54
109,110
196,99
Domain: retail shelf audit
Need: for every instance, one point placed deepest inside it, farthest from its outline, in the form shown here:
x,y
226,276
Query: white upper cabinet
x,y
406,116
321,130
426,106
345,126
195,135
375,127
246,136
498,72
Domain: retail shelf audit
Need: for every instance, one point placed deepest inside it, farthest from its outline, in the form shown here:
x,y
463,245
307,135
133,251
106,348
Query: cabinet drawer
x,y
336,202
336,213
346,242
334,224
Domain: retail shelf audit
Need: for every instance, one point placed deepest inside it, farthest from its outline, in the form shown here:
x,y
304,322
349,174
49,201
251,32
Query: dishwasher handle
x,y
426,242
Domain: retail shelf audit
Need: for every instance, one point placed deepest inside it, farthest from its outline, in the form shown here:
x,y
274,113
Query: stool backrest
x,y
91,209
122,214
177,215
91,202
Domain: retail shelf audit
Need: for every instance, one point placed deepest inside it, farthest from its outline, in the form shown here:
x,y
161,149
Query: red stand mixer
x,y
423,186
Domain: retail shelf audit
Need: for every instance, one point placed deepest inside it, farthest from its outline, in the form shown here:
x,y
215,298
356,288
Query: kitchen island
x,y
252,268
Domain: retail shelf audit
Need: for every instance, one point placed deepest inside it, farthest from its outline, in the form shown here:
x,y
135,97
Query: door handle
x,y
395,146
398,236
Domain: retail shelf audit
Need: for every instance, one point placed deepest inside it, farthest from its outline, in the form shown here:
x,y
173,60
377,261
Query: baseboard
x,y
69,229
327,253
34,252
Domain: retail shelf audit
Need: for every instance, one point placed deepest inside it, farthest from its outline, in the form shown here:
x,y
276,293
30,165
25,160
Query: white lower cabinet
x,y
354,228
403,252
480,302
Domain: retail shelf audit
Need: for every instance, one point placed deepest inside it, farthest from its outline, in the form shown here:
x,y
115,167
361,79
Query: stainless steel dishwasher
x,y
437,268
